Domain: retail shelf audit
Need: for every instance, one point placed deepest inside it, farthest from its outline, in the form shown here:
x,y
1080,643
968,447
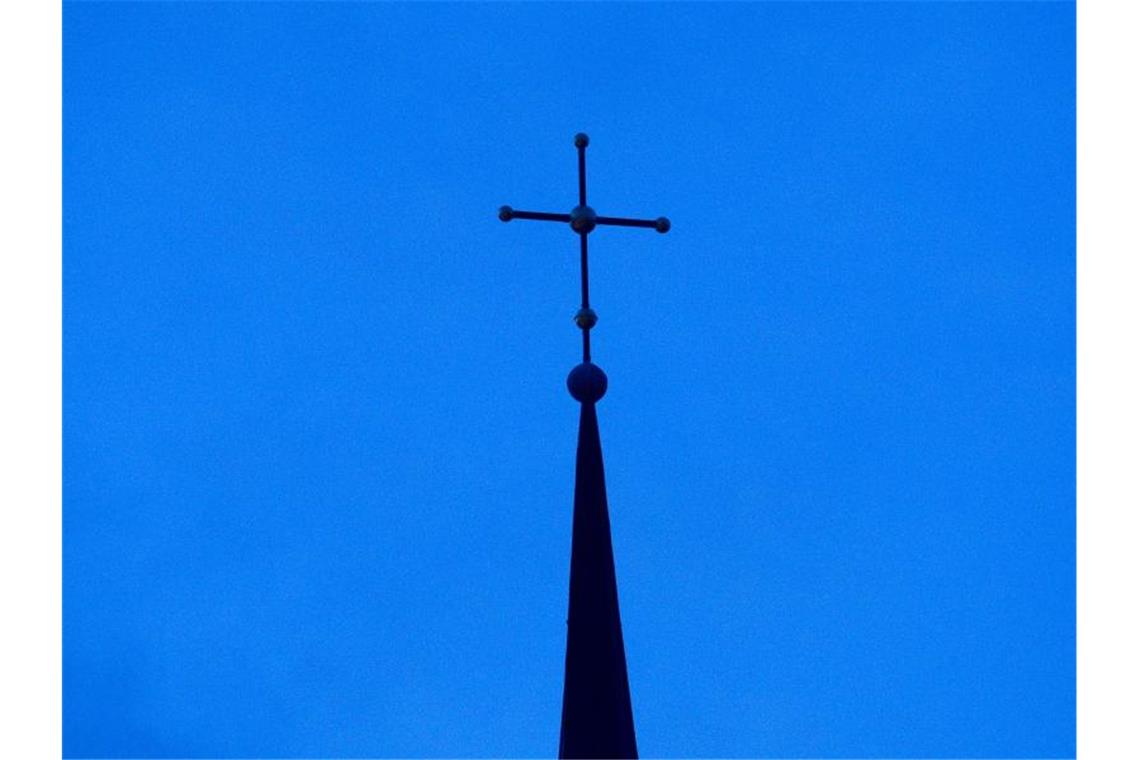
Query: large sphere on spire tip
x,y
587,382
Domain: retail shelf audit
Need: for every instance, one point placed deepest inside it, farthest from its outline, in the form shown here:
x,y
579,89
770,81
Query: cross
x,y
583,220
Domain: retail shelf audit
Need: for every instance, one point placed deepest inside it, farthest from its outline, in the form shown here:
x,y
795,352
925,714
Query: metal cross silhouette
x,y
583,220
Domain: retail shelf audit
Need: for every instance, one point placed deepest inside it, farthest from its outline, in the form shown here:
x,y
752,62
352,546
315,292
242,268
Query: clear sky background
x,y
318,449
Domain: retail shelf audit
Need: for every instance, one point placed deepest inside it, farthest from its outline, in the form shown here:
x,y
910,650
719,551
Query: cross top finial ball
x,y
581,140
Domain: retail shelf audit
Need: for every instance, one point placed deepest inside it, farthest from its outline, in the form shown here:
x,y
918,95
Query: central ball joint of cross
x,y
583,219
587,383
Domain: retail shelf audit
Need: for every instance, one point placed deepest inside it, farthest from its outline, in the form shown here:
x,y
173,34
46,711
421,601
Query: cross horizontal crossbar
x,y
506,213
617,221
542,216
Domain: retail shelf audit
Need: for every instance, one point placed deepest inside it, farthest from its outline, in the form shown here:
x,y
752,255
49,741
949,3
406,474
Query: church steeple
x,y
597,714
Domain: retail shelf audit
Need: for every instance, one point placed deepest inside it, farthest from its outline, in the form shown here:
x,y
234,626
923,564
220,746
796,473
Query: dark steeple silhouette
x,y
597,715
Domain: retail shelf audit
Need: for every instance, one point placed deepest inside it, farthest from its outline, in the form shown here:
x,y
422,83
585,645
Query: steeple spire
x,y
597,714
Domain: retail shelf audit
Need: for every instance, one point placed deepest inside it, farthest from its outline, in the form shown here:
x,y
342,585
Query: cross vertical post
x,y
580,142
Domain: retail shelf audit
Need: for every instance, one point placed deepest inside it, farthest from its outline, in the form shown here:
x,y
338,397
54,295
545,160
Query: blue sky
x,y
318,450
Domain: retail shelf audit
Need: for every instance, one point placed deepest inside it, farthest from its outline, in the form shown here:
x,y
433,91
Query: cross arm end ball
x,y
581,140
663,225
506,213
